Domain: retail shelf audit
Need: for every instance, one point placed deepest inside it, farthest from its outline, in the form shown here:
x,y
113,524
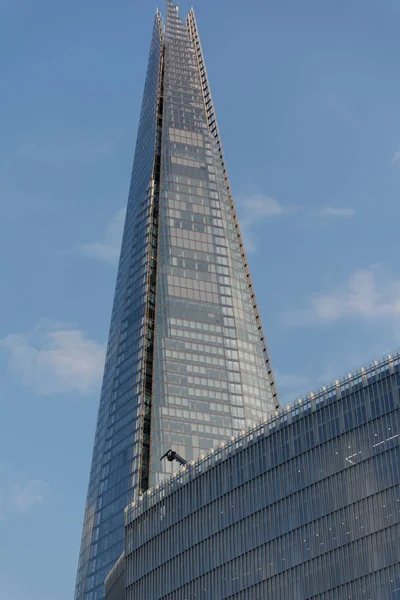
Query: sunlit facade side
x,y
210,374
305,506
187,363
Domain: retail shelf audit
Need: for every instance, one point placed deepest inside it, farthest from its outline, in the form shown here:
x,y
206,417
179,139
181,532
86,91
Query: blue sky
x,y
307,97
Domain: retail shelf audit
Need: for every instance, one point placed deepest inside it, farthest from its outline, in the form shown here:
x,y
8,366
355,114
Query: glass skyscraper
x,y
187,363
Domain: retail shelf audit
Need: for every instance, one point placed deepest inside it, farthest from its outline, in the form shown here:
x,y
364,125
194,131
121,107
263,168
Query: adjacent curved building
x,y
304,506
187,363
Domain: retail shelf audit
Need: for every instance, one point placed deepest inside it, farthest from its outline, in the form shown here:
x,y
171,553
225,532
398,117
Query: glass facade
x,y
187,364
303,506
210,378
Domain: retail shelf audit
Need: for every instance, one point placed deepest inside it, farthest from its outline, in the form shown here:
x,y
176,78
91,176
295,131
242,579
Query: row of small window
x,y
193,295
196,284
185,95
180,434
190,152
177,372
168,305
180,77
211,244
187,162
175,424
176,402
187,243
193,289
197,335
231,366
198,198
177,73
205,382
203,201
229,343
205,394
215,244
200,263
211,327
190,358
179,228
181,65
193,216
175,185
184,381
177,391
188,253
198,269
190,173
195,419
187,186
209,384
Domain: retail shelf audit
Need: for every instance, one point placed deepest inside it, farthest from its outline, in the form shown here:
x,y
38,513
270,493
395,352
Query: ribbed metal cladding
x,y
304,506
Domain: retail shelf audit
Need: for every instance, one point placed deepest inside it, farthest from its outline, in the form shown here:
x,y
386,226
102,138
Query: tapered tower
x,y
187,363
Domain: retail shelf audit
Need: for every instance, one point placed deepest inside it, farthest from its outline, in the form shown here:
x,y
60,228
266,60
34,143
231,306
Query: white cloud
x,y
262,207
55,359
107,249
396,158
371,294
363,295
17,499
25,497
341,213
253,210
